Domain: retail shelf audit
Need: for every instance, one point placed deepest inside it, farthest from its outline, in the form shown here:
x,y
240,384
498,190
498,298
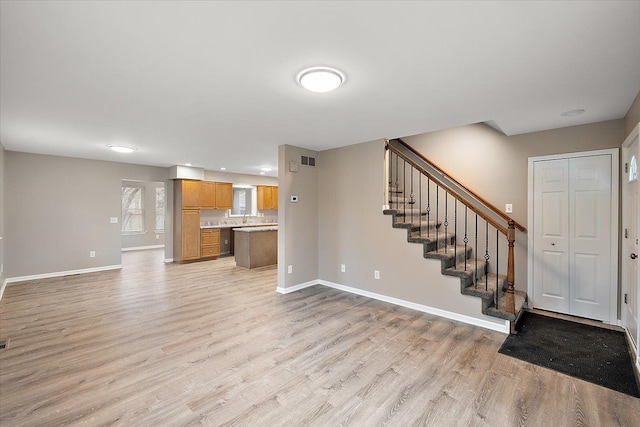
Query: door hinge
x,y
626,233
626,168
625,299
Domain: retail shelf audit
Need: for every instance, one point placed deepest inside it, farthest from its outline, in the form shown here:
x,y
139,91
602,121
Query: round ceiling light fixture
x,y
572,113
122,148
266,169
320,79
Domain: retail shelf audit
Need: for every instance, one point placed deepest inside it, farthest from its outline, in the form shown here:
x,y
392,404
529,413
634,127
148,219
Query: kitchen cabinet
x,y
224,195
190,193
210,243
187,236
207,195
267,197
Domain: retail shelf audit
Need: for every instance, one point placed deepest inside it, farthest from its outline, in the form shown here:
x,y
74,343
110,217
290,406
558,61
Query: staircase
x,y
455,226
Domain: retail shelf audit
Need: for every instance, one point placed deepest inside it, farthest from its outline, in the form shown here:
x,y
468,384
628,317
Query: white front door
x,y
630,225
572,267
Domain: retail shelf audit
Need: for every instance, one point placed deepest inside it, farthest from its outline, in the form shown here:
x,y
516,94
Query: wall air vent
x,y
308,161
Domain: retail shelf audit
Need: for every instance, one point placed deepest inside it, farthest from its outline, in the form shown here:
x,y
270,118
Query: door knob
x,y
634,256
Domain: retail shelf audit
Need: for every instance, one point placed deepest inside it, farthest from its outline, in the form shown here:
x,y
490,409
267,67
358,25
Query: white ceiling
x,y
213,83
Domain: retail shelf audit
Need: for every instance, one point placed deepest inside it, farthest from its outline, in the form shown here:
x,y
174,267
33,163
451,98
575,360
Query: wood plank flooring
x,y
212,344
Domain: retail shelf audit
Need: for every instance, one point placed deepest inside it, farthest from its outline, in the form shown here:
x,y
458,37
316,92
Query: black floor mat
x,y
593,354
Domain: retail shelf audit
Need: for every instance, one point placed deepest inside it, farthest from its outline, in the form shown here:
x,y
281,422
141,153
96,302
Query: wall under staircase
x,y
353,231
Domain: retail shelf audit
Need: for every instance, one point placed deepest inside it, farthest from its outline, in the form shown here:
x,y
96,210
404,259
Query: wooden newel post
x,y
510,301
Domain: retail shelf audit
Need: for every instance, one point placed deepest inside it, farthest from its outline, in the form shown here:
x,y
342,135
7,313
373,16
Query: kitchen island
x,y
256,246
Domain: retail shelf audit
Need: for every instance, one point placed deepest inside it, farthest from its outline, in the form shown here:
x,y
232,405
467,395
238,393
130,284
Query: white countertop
x,y
255,229
263,224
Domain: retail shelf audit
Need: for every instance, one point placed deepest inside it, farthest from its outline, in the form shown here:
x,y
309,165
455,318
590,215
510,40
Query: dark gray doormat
x,y
593,354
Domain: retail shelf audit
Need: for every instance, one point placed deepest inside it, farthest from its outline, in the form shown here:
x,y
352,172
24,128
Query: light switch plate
x,y
508,208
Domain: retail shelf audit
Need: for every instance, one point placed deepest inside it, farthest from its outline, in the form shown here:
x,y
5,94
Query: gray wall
x,y
150,237
2,215
59,210
297,222
353,231
633,116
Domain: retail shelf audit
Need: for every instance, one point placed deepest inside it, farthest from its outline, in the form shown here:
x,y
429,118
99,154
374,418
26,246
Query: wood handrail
x,y
501,228
473,193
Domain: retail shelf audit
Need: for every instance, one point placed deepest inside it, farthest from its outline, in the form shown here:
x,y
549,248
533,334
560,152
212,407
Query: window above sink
x,y
244,201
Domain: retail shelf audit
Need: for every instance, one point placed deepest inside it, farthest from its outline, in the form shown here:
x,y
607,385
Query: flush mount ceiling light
x,y
266,169
188,164
320,79
223,169
122,148
572,113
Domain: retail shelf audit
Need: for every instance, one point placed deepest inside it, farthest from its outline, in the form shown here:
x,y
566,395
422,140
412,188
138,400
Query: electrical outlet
x,y
113,220
92,254
157,237
376,274
226,241
290,269
343,268
508,208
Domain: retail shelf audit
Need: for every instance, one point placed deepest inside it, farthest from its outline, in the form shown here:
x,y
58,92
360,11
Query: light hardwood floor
x,y
212,344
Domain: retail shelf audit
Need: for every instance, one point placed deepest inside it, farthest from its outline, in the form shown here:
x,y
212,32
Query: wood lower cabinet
x,y
267,197
188,236
210,243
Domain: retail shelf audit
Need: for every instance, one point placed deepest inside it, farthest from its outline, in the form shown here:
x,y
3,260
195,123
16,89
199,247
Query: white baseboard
x,y
4,285
294,288
499,327
62,273
141,248
168,260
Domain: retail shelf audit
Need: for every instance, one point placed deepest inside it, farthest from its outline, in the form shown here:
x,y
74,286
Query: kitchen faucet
x,y
244,218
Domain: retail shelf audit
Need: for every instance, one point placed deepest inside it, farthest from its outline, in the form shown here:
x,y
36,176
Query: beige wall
x,y
297,222
495,166
59,210
632,118
2,214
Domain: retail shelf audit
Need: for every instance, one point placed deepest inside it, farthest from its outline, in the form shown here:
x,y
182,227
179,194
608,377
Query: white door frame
x,y
625,284
615,236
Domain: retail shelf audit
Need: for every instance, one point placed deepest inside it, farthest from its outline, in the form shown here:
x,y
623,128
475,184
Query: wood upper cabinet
x,y
274,197
190,192
208,195
267,197
224,195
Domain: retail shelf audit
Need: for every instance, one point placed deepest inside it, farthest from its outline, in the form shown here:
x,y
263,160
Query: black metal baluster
x,y
437,214
446,220
497,265
486,256
420,202
404,187
411,197
466,239
455,231
428,207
